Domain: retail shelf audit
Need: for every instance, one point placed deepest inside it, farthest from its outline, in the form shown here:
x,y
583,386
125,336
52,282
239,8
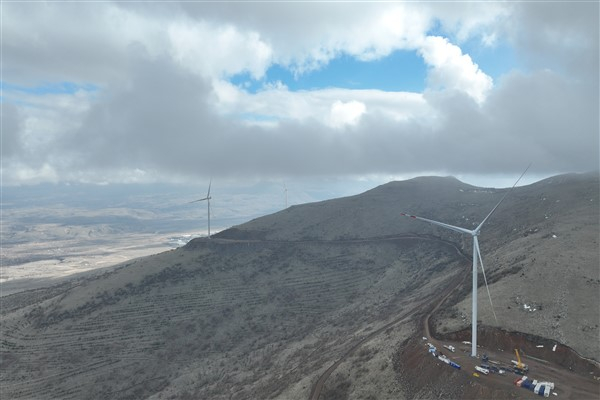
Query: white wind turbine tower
x,y
476,255
207,198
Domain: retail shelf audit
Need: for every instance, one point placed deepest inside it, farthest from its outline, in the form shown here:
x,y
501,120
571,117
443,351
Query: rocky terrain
x,y
540,249
264,309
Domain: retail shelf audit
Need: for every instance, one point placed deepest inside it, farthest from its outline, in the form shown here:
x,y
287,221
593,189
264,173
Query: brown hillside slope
x,y
540,248
262,309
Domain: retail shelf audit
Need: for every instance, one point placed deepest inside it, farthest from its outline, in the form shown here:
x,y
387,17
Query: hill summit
x,y
262,309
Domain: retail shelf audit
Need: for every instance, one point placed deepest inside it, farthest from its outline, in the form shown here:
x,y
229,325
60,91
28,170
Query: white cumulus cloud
x,y
346,114
162,100
451,69
216,51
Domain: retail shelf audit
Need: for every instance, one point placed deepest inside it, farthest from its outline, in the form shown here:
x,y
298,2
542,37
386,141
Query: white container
x,y
482,370
549,384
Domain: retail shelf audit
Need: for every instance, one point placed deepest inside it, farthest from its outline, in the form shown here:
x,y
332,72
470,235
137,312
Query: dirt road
x,y
568,384
432,303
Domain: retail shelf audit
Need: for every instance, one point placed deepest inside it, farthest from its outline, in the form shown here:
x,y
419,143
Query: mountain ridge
x,y
260,309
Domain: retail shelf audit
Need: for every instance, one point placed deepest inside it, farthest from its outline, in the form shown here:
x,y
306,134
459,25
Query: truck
x,y
492,368
450,347
482,370
519,381
455,365
540,388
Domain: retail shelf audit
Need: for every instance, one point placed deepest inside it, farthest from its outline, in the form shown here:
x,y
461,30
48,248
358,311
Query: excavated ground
x,y
423,376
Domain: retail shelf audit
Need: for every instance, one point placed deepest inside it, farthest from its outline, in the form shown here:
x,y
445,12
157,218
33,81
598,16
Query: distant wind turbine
x,y
476,255
207,198
285,190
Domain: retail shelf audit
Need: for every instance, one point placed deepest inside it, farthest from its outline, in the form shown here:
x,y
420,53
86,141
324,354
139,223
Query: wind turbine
x,y
285,190
476,255
207,198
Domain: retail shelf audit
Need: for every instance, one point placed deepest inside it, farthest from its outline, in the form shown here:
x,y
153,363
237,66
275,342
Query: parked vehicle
x,y
482,370
519,368
455,365
449,347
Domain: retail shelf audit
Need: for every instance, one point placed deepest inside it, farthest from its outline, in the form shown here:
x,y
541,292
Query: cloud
x,y
217,51
450,69
282,104
11,140
346,114
366,31
164,109
561,36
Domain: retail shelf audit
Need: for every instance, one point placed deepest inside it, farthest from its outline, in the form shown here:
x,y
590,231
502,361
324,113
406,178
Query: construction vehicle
x,y
482,370
519,368
485,363
450,347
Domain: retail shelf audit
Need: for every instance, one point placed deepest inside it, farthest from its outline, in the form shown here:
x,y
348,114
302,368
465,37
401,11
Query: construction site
x,y
342,299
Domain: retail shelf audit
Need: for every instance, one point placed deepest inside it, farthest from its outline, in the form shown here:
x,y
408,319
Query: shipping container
x,y
549,384
455,365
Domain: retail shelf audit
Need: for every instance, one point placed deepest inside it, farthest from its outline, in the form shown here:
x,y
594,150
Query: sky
x,y
126,92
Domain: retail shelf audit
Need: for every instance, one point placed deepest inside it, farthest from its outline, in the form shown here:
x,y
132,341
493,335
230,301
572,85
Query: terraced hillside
x,y
213,319
263,309
541,248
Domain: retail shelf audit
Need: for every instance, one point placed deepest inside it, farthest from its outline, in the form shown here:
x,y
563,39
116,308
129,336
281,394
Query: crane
x,y
519,368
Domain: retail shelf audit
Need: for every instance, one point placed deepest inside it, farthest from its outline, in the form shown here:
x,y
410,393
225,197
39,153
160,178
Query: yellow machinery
x,y
520,368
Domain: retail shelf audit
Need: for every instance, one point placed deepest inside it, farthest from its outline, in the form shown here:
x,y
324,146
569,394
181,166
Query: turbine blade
x,y
443,225
195,201
209,184
501,200
484,278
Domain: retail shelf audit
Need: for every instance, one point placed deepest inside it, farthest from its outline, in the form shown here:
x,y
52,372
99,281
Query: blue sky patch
x,y
251,117
50,88
400,71
494,61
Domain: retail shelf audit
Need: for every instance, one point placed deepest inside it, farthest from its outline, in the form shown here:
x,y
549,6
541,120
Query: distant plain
x,y
50,232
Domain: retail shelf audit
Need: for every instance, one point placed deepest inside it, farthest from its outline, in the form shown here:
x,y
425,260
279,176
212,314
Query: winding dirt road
x,y
570,385
433,305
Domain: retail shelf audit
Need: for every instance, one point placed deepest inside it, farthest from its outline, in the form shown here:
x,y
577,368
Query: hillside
x,y
261,310
540,249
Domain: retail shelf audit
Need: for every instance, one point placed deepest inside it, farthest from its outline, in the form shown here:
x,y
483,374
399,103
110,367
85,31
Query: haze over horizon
x,y
347,95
